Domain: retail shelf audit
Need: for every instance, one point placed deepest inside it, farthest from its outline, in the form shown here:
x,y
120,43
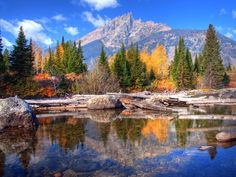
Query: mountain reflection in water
x,y
102,146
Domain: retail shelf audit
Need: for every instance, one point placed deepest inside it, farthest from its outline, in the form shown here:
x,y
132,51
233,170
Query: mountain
x,y
148,34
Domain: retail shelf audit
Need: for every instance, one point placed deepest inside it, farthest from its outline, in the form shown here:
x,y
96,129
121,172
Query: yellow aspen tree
x,y
159,62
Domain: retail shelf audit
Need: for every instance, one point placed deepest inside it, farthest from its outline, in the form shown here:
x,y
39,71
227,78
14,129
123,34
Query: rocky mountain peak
x,y
123,29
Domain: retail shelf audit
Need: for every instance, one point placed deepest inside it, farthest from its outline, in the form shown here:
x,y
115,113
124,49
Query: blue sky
x,y
47,20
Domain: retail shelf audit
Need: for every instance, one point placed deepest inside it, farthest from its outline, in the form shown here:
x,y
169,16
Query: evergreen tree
x,y
102,61
2,64
196,67
184,74
21,57
80,64
229,67
58,59
125,79
6,59
63,84
49,67
31,59
63,41
213,68
175,65
138,70
121,68
152,75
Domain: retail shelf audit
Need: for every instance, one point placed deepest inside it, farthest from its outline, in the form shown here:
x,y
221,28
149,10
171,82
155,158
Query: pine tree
x,y
229,67
152,75
2,64
125,68
21,57
138,69
213,68
121,68
102,61
196,67
49,67
184,74
80,61
175,65
30,61
6,59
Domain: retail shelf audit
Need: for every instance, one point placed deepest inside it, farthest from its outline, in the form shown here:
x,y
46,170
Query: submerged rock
x,y
104,102
15,112
226,136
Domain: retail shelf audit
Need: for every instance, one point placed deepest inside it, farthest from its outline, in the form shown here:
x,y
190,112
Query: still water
x,y
71,146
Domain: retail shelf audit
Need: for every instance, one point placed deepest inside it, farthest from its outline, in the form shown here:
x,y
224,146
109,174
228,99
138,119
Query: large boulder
x,y
15,112
104,102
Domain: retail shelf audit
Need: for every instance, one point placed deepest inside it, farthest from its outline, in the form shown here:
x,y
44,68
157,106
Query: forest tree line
x,y
27,72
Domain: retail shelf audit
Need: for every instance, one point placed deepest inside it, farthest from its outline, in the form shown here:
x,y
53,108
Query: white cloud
x,y
6,43
96,21
31,28
223,12
234,31
59,17
72,30
229,35
98,4
234,14
219,28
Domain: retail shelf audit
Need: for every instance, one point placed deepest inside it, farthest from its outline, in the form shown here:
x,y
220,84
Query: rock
x,y
69,173
104,102
226,136
15,112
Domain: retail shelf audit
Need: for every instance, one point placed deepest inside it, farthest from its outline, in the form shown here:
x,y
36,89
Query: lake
x,y
162,146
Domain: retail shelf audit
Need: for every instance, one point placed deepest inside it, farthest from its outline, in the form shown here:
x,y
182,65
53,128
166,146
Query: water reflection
x,y
104,145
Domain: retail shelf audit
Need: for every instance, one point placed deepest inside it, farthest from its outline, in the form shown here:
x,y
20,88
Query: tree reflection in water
x,y
2,163
116,140
182,134
129,129
158,127
67,132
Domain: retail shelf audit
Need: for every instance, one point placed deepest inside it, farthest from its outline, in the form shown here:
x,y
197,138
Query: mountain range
x,y
125,29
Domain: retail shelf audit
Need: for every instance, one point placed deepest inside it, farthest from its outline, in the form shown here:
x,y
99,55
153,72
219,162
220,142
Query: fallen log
x,y
222,128
208,117
209,101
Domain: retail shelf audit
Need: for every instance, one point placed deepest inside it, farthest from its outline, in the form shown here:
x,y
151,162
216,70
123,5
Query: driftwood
x,y
208,117
165,102
223,128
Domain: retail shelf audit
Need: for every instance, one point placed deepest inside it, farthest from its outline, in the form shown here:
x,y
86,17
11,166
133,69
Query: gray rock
x,y
70,173
15,112
226,136
104,102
